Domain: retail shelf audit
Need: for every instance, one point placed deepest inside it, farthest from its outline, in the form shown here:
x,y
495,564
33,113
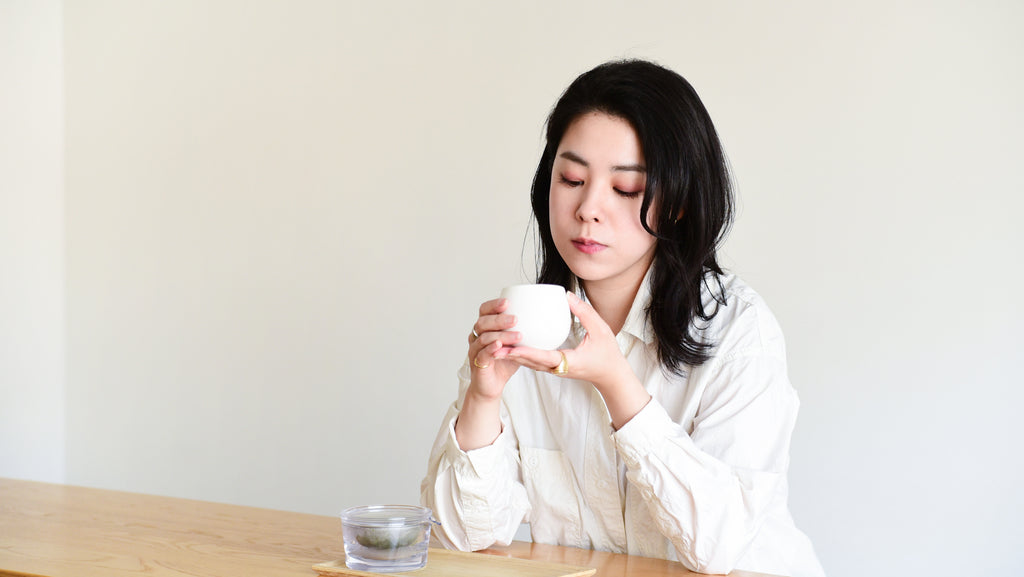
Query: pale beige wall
x,y
31,241
281,217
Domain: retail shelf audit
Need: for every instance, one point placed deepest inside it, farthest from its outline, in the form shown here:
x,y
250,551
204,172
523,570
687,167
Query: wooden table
x,y
65,531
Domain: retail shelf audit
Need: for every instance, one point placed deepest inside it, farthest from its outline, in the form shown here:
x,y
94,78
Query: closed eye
x,y
629,193
568,182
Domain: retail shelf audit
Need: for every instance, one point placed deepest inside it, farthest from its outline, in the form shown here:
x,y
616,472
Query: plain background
x,y
242,243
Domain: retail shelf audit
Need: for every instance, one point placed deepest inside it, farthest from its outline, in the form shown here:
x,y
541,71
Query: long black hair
x,y
688,183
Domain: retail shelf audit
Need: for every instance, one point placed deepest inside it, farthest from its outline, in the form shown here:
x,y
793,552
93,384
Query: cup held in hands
x,y
542,314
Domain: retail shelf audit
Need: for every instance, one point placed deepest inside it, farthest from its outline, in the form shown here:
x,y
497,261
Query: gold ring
x,y
478,365
563,366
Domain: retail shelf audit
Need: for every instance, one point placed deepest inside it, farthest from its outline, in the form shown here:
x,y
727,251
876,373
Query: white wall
x,y
31,241
281,217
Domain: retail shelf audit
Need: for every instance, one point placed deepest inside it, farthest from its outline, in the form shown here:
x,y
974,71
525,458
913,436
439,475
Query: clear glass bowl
x,y
386,538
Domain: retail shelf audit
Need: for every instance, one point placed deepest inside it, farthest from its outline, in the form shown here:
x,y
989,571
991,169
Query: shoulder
x,y
743,325
747,373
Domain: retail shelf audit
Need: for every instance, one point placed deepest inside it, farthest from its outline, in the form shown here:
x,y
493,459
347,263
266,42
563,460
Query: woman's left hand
x,y
596,359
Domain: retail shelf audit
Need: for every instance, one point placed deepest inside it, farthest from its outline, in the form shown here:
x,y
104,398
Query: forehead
x,y
602,136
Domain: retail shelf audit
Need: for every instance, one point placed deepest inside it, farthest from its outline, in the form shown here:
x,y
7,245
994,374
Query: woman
x,y
661,427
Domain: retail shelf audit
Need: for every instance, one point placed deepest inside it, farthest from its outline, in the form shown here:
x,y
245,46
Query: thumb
x,y
587,315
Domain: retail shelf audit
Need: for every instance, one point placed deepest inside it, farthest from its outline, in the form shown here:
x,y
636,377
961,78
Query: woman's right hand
x,y
479,421
489,344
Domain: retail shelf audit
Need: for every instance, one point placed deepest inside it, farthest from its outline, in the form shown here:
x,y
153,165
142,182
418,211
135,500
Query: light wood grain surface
x,y
607,564
442,563
65,531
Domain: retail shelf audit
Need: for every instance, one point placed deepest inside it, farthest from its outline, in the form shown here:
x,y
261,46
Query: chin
x,y
584,274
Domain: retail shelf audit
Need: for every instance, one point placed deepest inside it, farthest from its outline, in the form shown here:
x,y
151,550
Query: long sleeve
x,y
477,496
711,489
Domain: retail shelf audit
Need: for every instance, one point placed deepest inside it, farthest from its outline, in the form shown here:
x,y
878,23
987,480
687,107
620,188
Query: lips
x,y
588,246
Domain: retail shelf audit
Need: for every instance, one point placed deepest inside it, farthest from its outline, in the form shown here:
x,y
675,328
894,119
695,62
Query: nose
x,y
591,207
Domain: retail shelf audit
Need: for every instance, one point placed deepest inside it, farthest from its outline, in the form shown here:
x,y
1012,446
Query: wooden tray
x,y
445,563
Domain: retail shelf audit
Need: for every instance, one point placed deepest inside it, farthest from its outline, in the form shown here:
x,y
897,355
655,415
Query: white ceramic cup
x,y
542,314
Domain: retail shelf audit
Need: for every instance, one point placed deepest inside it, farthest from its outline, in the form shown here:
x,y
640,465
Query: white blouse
x,y
698,476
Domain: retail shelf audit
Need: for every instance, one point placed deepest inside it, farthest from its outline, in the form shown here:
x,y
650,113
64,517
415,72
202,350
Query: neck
x,y
612,300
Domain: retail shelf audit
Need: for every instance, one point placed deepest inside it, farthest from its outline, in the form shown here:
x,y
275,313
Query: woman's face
x,y
597,187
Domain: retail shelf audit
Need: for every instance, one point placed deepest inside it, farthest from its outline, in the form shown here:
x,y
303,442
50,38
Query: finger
x,y
498,322
538,360
587,315
484,357
490,339
493,307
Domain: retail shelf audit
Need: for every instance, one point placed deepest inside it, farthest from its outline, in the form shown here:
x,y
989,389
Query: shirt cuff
x,y
645,431
483,462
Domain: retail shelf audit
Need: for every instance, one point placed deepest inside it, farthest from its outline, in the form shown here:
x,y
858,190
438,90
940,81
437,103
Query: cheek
x,y
554,214
558,207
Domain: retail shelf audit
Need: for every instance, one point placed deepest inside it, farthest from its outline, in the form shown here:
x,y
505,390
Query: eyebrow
x,y
573,157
